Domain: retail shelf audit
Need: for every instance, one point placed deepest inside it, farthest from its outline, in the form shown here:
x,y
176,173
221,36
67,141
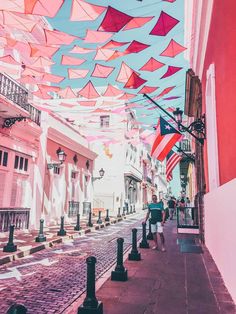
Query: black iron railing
x,y
73,208
185,145
19,95
14,216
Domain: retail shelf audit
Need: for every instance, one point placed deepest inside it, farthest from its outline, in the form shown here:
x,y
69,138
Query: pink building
x,y
211,36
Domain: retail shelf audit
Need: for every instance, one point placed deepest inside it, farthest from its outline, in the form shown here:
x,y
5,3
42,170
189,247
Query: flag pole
x,y
182,126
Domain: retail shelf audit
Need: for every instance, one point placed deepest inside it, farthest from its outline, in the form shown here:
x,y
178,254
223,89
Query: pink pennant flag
x,y
136,47
164,24
171,98
124,73
43,7
152,65
114,44
96,37
171,1
137,22
27,80
87,103
173,49
31,72
114,20
102,70
112,91
103,54
116,54
55,37
170,71
18,21
147,90
89,91
134,81
78,49
41,62
67,106
12,6
48,88
48,77
164,92
77,73
42,94
66,93
84,11
42,50
9,59
98,110
67,60
127,96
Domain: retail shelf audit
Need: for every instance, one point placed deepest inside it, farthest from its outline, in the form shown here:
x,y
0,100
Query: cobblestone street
x,y
50,280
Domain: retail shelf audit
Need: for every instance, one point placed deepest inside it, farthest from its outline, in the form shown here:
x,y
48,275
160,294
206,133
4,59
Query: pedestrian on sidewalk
x,y
171,207
157,220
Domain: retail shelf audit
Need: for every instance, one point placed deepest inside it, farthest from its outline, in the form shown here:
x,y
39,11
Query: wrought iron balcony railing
x,y
185,145
19,95
14,216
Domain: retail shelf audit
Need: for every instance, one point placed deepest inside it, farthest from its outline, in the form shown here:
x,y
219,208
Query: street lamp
x,y
198,125
61,157
101,173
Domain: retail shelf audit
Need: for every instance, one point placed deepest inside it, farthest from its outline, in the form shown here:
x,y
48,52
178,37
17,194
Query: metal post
x,y
91,305
134,211
62,231
118,215
144,244
77,227
131,209
150,235
10,247
99,221
41,237
17,309
120,273
89,224
134,255
107,216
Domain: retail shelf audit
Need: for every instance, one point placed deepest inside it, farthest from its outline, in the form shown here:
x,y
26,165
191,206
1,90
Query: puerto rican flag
x,y
165,138
172,159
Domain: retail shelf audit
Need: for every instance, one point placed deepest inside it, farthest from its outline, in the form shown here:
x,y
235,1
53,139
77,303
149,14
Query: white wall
x,y
220,231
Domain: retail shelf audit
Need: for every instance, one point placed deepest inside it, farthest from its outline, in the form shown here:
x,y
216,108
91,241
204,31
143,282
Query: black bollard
x,y
134,255
134,211
62,231
10,247
144,244
99,221
107,216
118,215
41,237
120,273
123,214
89,224
17,309
127,209
91,305
150,235
77,227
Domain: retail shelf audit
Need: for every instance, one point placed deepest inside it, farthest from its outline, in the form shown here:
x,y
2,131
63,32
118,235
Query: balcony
x,y
14,216
185,146
19,96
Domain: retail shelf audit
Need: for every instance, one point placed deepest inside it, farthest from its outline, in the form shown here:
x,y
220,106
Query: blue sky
x,y
157,45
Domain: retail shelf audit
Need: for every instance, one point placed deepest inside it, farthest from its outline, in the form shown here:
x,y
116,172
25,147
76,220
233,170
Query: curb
x,y
19,254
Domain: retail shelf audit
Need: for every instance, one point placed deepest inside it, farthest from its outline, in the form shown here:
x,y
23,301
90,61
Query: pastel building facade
x,y
212,77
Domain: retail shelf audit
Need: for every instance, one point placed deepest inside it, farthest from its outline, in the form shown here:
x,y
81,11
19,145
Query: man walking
x,y
156,209
171,206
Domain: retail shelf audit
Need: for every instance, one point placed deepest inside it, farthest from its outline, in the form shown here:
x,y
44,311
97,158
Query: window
x,y
3,158
73,175
104,121
21,163
56,170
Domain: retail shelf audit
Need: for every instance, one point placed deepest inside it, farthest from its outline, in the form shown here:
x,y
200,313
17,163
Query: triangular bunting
x,y
88,91
134,81
170,71
102,70
84,11
152,65
173,49
164,24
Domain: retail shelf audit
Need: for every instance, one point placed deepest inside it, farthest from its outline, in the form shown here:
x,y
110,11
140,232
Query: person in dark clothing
x,y
171,206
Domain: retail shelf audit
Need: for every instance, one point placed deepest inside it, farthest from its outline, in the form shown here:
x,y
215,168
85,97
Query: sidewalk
x,y
167,282
25,239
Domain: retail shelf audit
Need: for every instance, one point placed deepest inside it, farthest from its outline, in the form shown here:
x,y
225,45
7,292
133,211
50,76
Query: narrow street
x,y
50,280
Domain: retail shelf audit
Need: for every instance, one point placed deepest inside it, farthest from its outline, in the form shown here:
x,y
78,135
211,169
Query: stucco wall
x,y
220,231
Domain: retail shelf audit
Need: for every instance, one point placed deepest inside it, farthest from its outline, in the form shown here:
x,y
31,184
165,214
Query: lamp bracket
x,y
8,122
